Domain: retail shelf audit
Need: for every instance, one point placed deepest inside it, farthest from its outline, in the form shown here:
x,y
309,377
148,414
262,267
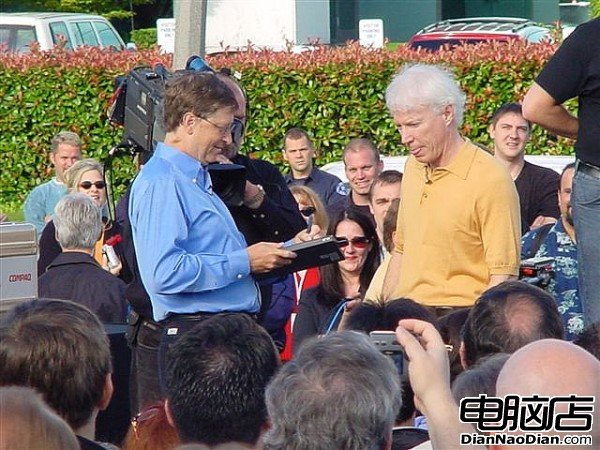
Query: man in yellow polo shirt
x,y
459,222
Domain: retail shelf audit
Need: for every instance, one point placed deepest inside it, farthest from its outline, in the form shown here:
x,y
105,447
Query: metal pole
x,y
190,30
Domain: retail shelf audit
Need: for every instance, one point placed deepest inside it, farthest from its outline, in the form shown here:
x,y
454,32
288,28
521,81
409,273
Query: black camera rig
x,y
136,105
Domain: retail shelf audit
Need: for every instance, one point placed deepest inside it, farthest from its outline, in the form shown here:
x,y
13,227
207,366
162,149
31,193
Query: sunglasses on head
x,y
358,242
308,211
89,184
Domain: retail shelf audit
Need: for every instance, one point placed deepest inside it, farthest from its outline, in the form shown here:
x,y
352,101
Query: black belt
x,y
587,168
200,315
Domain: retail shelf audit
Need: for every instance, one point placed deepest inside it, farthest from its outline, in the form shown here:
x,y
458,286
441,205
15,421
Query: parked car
x,y
556,163
454,32
19,30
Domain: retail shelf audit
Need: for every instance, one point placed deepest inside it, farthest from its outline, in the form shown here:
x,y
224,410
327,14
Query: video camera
x,y
137,106
537,271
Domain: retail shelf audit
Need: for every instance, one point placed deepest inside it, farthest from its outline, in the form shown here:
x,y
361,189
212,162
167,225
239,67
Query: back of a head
x,y
338,392
59,348
589,339
78,222
216,378
553,368
509,316
451,326
480,379
384,316
26,422
424,85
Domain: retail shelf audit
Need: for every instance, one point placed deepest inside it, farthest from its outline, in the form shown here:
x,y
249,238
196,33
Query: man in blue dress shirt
x,y
193,261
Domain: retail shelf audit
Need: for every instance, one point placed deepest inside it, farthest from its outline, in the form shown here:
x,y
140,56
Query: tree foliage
x,y
111,9
594,8
336,93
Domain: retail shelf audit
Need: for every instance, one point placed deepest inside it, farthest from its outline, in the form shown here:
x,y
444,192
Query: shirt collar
x,y
312,176
460,164
190,167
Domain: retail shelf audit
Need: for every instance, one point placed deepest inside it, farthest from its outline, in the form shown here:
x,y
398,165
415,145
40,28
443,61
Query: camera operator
x,y
193,260
558,242
270,212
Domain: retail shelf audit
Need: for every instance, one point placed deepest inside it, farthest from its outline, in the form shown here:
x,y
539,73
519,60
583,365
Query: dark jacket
x,y
278,218
50,248
78,277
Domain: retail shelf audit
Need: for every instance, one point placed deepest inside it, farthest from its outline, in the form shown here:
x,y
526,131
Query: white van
x,y
19,30
556,163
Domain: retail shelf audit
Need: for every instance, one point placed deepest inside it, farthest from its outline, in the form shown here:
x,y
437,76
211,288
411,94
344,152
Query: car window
x,y
86,33
108,37
4,39
59,33
17,38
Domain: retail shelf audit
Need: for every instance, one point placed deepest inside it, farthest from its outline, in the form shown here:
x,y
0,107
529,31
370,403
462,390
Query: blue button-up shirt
x,y
564,284
191,256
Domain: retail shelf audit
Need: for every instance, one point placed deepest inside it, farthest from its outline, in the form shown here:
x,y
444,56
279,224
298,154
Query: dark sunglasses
x,y
358,242
308,211
89,184
237,130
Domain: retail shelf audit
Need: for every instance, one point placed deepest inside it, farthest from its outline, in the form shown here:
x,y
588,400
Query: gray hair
x,y
78,222
65,137
339,391
425,85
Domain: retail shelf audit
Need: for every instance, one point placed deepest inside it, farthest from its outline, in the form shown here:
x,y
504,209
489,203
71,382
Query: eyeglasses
x,y
358,242
308,211
89,184
222,129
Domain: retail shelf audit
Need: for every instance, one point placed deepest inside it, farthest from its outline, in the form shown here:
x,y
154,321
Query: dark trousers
x,y
174,327
144,339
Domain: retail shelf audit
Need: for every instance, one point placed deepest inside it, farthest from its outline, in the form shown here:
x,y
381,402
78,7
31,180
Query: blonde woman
x,y
87,177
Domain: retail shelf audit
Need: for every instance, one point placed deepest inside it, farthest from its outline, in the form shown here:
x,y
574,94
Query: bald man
x,y
551,368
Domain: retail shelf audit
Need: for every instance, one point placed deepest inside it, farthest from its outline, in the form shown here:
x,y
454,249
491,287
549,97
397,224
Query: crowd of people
x,y
225,355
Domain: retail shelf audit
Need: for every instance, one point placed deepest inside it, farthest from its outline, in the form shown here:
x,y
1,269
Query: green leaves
x,y
335,93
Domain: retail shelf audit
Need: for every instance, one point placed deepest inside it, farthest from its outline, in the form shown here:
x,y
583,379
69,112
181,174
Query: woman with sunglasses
x,y
86,176
322,306
312,209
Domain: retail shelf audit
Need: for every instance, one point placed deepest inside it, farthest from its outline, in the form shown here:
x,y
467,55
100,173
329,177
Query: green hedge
x,y
334,93
144,37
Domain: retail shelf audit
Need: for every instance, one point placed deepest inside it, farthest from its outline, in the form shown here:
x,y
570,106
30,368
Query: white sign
x,y
165,35
370,33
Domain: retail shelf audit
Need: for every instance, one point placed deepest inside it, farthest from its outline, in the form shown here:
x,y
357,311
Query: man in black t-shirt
x,y
537,186
574,71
